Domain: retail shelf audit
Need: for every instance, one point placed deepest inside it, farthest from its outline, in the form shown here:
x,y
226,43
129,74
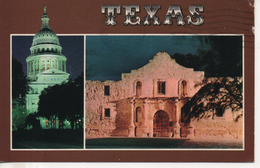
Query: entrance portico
x,y
154,117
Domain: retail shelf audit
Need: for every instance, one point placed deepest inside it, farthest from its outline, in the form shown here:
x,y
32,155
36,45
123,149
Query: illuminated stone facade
x,y
147,103
46,66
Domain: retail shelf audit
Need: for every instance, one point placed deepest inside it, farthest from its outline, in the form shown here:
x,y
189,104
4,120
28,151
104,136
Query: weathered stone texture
x,y
218,128
135,100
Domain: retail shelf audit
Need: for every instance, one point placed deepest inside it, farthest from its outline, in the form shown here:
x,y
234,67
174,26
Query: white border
x,y
84,53
84,71
180,149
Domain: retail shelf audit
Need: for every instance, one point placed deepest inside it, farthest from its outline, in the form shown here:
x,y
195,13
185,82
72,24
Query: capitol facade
x,y
46,66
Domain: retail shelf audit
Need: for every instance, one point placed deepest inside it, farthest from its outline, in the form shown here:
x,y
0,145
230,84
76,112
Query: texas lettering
x,y
174,12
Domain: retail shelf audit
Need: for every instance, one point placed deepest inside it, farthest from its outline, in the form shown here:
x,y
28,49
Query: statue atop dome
x,y
45,9
45,19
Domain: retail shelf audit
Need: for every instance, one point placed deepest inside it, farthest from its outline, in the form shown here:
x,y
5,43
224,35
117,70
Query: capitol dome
x,y
45,40
46,52
45,36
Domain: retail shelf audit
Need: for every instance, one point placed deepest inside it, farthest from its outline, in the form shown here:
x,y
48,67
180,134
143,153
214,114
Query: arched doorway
x,y
161,124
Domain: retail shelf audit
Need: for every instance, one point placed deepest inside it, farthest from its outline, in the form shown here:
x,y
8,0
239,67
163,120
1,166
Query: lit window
x,y
161,87
47,123
60,122
107,91
107,112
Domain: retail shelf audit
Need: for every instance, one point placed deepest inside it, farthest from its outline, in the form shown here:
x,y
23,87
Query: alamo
x,y
149,101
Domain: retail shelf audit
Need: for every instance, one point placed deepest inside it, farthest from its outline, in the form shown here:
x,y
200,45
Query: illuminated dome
x,y
45,36
46,56
45,40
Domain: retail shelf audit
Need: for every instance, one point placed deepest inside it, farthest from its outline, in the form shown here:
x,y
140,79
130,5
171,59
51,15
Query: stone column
x,y
176,126
65,70
132,126
146,113
38,65
28,65
45,65
33,66
58,64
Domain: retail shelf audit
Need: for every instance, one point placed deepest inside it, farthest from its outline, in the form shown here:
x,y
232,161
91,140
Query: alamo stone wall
x,y
123,118
123,102
229,126
97,124
218,128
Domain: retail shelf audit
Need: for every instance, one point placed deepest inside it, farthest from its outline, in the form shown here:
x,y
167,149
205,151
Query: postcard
x,y
132,81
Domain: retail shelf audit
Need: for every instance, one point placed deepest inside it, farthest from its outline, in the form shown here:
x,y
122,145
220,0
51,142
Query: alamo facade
x,y
147,103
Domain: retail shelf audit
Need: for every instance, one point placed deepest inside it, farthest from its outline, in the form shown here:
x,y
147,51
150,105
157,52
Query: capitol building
x,y
46,66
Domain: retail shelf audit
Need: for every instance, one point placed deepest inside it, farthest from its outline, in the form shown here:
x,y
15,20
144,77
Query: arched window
x,y
184,88
138,88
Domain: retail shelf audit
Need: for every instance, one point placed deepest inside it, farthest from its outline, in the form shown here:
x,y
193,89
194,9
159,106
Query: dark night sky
x,y
112,55
72,48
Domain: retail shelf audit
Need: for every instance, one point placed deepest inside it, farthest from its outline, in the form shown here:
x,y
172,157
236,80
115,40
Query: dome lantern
x,y
45,20
45,38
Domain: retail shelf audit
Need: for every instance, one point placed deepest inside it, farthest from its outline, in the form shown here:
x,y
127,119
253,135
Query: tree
x,y
215,93
19,114
20,88
31,120
90,67
75,113
20,85
64,101
221,58
227,54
